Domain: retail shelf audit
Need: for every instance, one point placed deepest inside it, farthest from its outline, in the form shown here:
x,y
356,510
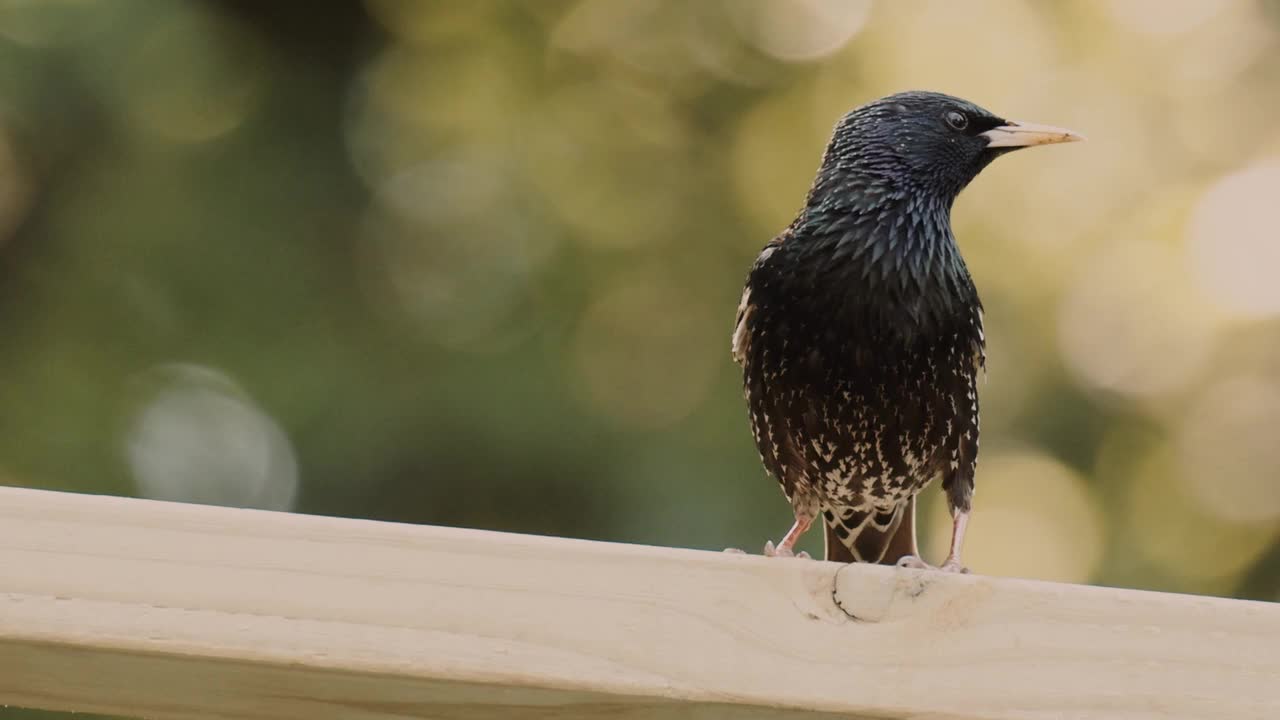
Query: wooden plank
x,y
177,611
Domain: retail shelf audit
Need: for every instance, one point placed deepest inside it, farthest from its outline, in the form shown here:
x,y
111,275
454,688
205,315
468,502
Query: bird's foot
x,y
783,550
771,551
785,547
915,561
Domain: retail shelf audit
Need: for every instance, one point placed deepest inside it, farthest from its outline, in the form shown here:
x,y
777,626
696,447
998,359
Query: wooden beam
x,y
163,610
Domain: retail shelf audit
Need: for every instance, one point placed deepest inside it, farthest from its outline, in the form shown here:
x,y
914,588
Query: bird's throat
x,y
893,269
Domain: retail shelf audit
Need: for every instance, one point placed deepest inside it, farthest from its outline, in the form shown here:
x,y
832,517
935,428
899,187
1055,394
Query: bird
x,y
860,329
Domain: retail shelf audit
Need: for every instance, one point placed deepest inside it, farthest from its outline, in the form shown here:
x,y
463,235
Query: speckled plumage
x,y
860,330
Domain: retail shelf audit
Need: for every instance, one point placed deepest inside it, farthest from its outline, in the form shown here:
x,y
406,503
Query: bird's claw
x,y
771,551
783,551
914,561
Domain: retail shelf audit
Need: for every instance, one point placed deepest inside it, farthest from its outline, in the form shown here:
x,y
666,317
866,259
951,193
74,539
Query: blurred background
x,y
476,263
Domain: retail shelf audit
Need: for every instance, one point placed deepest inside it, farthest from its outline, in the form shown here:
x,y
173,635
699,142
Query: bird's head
x,y
920,143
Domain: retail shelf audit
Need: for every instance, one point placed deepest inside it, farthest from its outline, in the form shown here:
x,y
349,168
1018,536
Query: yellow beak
x,y
1020,134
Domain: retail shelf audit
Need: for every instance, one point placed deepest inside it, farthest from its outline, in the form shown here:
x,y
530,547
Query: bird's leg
x,y
960,521
786,546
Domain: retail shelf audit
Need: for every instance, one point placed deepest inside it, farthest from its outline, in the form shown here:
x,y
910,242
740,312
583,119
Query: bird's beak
x,y
1015,134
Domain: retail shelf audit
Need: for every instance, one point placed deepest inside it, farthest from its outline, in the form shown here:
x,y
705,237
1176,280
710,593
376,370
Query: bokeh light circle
x,y
797,30
1230,457
1164,17
196,437
773,164
1116,323
448,235
193,76
1177,532
1233,242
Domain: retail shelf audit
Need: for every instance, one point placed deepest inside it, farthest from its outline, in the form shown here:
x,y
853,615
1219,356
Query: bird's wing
x,y
741,344
980,346
741,327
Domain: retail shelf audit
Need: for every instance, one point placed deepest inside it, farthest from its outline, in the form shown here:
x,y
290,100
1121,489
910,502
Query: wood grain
x,y
164,610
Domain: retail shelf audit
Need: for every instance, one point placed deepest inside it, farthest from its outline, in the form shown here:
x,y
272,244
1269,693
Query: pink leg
x,y
959,523
786,546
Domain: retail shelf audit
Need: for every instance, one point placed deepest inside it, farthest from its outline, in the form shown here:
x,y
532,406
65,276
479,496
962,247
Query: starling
x,y
860,329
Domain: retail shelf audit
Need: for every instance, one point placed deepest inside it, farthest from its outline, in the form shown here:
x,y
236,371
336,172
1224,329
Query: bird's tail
x,y
870,536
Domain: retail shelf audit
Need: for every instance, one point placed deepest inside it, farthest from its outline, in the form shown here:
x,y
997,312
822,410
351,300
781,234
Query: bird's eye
x,y
957,120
